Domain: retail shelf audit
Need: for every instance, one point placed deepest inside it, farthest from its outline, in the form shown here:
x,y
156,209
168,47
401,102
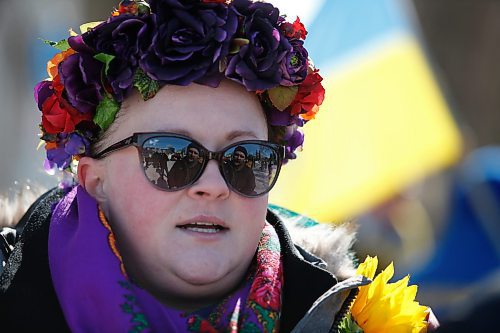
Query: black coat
x,y
28,302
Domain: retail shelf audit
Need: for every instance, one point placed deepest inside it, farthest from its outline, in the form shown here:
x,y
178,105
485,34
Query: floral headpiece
x,y
145,46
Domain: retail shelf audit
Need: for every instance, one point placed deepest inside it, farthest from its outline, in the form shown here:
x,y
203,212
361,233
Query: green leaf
x,y
236,45
130,298
140,318
106,59
106,112
250,328
61,45
89,26
282,97
348,325
267,316
143,8
146,86
126,308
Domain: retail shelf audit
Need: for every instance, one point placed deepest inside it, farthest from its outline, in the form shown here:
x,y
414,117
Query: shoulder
x,y
31,230
25,283
36,215
330,243
315,258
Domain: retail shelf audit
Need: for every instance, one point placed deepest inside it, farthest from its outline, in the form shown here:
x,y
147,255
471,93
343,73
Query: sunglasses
x,y
172,162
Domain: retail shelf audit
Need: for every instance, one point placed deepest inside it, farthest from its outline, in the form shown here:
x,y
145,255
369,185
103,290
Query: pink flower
x,y
266,293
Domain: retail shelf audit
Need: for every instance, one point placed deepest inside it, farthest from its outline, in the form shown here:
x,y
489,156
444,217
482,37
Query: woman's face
x,y
181,266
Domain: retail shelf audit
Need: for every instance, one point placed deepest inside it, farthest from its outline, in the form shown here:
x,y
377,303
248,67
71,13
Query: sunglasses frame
x,y
138,140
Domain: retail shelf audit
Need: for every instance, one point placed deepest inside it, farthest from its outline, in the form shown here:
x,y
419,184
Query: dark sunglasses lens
x,y
171,163
250,169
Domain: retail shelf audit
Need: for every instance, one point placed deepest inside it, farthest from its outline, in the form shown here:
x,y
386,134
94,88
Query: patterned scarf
x,y
96,296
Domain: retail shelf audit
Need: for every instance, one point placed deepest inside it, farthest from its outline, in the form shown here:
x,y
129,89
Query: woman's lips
x,y
204,224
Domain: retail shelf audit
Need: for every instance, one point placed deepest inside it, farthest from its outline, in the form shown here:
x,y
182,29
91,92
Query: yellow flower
x,y
387,307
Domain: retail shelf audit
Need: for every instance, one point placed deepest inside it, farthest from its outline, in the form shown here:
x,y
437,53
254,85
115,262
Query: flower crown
x,y
145,46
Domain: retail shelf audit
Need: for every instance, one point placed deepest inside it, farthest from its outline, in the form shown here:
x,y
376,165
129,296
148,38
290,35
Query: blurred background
x,y
406,143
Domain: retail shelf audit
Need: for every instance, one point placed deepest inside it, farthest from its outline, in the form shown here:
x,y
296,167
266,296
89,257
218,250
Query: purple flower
x,y
286,130
257,64
77,44
123,37
276,117
191,39
76,144
295,64
81,76
59,157
294,139
67,146
42,91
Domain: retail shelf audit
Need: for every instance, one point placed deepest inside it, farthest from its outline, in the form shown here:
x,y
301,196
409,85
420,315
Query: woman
x,y
128,253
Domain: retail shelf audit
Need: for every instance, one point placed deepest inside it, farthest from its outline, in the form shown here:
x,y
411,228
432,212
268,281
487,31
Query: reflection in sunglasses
x,y
172,162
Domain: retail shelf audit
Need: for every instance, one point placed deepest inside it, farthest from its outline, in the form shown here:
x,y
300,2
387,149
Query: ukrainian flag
x,y
384,123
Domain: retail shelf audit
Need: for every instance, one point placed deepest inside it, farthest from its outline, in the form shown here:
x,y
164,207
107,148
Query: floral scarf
x,y
95,295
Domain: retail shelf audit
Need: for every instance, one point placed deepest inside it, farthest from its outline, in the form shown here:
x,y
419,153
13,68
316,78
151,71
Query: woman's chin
x,y
201,275
208,266
190,291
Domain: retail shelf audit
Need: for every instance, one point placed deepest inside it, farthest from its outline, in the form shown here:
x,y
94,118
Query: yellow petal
x,y
387,307
368,267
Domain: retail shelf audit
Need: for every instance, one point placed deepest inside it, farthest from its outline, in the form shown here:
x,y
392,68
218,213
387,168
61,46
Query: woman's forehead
x,y
226,113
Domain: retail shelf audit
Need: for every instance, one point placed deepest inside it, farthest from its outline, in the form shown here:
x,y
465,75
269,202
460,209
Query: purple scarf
x,y
96,296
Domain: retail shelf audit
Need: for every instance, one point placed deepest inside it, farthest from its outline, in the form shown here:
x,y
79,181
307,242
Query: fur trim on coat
x,y
14,204
332,243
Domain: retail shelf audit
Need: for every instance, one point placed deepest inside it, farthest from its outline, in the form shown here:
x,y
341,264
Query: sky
x,y
306,10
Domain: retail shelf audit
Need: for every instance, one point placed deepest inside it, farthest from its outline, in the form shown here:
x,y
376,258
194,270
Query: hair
x,y
242,149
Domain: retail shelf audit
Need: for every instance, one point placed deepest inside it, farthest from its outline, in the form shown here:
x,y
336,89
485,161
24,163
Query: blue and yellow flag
x,y
384,123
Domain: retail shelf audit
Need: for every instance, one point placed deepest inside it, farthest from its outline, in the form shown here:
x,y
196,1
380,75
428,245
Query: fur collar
x,y
16,202
332,243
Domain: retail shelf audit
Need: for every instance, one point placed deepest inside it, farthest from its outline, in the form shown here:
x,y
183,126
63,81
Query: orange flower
x,y
53,64
310,114
50,145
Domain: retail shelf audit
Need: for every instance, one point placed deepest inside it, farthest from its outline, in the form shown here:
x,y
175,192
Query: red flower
x,y
309,97
205,327
294,30
266,287
58,116
134,7
266,292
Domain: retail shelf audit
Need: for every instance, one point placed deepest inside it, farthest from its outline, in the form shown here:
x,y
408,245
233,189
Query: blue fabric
x,y
469,249
289,215
342,27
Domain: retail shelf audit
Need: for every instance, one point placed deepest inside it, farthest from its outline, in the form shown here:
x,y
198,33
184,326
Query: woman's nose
x,y
211,184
